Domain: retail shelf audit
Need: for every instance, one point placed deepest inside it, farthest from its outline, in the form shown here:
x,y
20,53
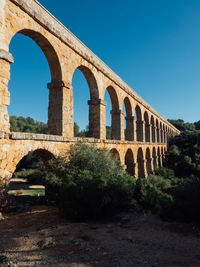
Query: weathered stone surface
x,y
143,146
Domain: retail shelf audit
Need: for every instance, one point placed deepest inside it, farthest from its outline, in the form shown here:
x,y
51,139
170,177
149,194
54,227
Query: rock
x,y
46,243
1,216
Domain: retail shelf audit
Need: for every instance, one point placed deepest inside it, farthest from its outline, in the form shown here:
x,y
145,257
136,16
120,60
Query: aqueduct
x,y
141,147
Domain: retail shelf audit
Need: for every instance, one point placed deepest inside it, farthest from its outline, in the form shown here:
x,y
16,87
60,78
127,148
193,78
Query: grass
x,y
28,192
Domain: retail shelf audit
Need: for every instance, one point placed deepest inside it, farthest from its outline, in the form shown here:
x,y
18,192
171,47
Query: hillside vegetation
x,y
91,183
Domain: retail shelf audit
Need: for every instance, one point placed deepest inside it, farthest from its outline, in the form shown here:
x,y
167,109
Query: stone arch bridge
x,y
141,147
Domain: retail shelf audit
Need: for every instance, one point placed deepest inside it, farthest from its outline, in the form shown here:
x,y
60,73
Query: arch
x,y
31,161
139,124
115,154
44,154
48,50
129,162
140,162
154,156
161,132
55,112
159,158
91,81
129,131
158,131
115,114
153,129
165,133
147,127
148,161
93,102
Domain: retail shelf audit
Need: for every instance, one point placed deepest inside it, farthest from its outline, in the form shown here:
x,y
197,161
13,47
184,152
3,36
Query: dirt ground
x,y
41,237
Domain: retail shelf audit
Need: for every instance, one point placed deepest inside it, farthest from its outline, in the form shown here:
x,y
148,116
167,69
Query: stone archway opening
x,y
159,158
148,161
129,162
147,127
115,117
85,92
139,124
128,120
154,156
153,128
140,162
29,96
27,186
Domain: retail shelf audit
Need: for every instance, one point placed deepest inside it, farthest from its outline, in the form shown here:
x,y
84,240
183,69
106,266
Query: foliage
x,y
90,184
152,194
21,124
174,191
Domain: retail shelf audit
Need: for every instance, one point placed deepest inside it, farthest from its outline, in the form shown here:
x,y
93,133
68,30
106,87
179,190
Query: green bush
x,y
186,204
90,184
150,194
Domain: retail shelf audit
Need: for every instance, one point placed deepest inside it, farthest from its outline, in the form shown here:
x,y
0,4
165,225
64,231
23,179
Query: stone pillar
x,y
140,131
60,111
135,129
129,128
136,170
156,163
145,169
5,60
117,125
97,118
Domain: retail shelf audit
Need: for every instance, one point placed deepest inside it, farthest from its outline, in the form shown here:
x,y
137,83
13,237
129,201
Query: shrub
x,y
186,200
90,184
150,194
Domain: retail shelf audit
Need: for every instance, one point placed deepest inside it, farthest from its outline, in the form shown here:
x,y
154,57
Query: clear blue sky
x,y
153,45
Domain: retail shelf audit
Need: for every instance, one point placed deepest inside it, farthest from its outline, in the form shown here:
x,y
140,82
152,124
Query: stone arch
x,y
154,156
129,162
91,80
158,131
115,114
48,50
165,133
147,127
56,85
148,161
159,158
115,153
153,128
139,124
94,101
140,162
161,132
129,131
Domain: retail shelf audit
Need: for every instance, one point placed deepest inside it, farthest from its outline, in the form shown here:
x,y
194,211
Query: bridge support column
x,y
97,119
117,125
60,111
129,134
140,130
5,60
